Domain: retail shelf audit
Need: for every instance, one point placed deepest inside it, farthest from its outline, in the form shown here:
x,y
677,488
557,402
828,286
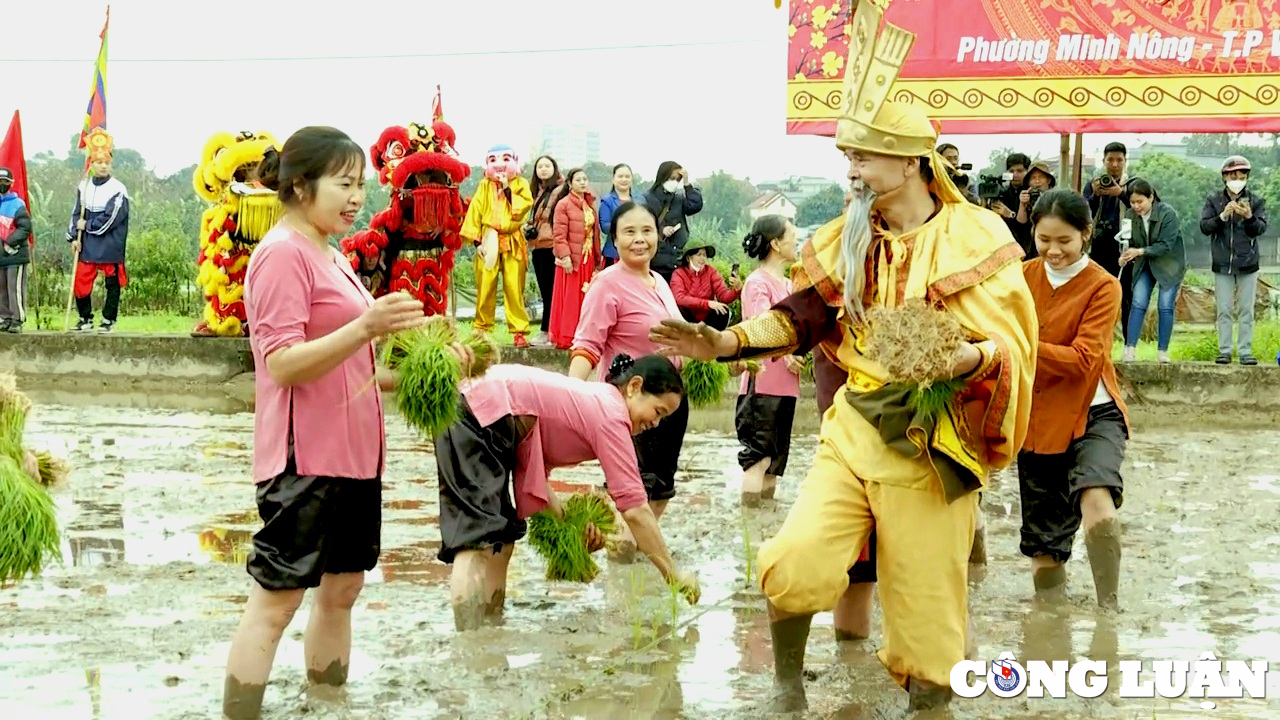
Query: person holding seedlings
x,y
624,301
1069,467
319,445
909,240
767,399
516,424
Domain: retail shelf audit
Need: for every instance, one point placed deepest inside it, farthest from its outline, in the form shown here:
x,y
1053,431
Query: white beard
x,y
855,242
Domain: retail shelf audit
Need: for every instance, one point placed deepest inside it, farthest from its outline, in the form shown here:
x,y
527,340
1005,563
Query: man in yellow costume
x,y
909,234
241,214
495,223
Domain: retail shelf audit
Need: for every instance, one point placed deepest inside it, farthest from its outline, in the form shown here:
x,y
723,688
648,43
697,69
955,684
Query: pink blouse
x,y
761,291
577,421
618,311
296,292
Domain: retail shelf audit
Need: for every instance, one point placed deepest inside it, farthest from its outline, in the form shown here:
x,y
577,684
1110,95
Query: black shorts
x,y
764,429
475,466
658,451
1051,484
864,571
314,525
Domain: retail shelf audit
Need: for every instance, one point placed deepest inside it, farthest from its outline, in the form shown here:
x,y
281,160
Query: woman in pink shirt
x,y
318,441
624,301
518,423
767,403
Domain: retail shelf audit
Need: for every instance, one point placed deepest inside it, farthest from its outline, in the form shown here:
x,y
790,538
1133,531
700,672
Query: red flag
x,y
437,111
12,157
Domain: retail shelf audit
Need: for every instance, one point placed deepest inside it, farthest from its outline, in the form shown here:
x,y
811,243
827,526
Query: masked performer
x,y
495,221
410,245
909,234
242,213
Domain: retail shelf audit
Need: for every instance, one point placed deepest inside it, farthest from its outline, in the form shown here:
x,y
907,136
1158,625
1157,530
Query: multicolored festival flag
x,y
95,115
1013,66
12,157
437,110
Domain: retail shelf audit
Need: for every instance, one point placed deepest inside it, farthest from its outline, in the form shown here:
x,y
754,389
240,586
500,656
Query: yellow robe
x,y
489,208
965,259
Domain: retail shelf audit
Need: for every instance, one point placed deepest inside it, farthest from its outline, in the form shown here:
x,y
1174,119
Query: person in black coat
x,y
15,255
673,200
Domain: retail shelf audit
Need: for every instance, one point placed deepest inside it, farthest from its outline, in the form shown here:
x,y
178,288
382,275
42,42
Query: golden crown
x,y
99,145
870,121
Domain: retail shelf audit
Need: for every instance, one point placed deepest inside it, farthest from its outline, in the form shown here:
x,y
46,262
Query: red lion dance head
x,y
410,245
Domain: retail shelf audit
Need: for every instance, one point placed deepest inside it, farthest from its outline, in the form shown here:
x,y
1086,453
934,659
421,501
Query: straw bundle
x,y
916,344
562,543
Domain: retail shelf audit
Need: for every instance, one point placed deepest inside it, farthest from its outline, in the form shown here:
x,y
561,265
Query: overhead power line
x,y
408,56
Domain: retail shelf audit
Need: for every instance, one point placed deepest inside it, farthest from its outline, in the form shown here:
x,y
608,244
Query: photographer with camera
x,y
959,173
1108,197
1233,219
1039,180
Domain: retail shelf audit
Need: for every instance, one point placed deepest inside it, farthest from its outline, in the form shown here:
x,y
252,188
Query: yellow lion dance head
x,y
229,158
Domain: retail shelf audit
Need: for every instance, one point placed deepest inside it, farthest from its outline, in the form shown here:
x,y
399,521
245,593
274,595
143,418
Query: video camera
x,y
991,187
959,176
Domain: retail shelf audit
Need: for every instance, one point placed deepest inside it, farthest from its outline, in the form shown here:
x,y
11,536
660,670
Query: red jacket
x,y
570,232
694,290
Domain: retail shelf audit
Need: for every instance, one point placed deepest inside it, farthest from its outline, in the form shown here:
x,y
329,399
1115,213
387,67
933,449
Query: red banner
x,y
12,157
1055,66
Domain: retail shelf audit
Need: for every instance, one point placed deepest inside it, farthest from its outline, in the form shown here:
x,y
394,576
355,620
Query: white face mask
x,y
1235,186
671,186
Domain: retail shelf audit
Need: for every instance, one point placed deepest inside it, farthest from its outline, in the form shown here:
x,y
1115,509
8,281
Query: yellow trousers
x,y
922,546
513,272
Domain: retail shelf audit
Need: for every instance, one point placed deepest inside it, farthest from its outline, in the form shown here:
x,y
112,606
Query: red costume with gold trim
x,y
411,244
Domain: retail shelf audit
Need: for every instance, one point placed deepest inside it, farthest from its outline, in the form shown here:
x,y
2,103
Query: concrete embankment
x,y
216,374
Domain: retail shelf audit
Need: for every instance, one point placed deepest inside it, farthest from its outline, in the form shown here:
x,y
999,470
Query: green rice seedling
x,y
28,524
704,382
746,547
934,399
561,542
673,592
430,372
53,471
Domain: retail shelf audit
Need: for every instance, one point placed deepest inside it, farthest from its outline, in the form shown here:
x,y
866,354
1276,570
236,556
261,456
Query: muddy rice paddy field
x,y
159,511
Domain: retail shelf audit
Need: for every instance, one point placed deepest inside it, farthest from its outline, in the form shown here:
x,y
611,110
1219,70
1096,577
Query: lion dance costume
x,y
495,222
411,244
242,213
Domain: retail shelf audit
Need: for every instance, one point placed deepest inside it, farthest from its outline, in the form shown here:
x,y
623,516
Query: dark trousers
x,y
719,321
110,308
1106,252
544,269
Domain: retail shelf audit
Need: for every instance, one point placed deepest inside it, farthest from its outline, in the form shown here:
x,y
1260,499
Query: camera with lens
x,y
1033,196
1106,181
959,176
991,187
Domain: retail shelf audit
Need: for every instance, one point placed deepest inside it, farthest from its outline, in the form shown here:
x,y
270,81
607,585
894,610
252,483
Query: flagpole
x,y
75,254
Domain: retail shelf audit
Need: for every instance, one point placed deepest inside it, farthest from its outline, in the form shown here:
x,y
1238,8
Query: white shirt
x,y
1058,278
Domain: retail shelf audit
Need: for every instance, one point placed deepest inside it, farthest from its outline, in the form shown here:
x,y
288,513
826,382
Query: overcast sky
x,y
701,82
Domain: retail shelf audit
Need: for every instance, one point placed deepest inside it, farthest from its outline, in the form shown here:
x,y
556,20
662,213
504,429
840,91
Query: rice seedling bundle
x,y
28,521
430,372
561,542
916,344
704,382
53,471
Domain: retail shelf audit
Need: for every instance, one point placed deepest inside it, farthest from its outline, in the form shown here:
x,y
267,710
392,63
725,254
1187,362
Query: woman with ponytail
x,y
516,424
319,449
767,400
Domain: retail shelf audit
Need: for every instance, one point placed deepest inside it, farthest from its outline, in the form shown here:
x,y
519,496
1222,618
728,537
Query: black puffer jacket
x,y
1235,241
672,209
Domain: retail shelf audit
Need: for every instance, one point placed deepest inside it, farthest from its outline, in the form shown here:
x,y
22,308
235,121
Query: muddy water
x,y
159,511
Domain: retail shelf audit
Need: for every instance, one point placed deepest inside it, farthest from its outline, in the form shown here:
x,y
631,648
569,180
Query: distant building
x,y
1178,150
772,203
797,188
571,145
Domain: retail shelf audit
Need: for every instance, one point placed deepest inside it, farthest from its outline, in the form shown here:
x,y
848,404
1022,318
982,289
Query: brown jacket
x,y
542,218
570,232
1077,324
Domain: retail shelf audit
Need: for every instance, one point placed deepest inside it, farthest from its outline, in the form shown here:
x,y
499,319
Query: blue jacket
x,y
15,231
106,220
608,205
